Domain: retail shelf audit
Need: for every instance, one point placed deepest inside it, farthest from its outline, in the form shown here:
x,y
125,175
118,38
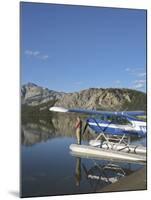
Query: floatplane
x,y
114,130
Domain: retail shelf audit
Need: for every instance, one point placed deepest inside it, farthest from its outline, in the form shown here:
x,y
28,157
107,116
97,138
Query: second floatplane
x,y
114,130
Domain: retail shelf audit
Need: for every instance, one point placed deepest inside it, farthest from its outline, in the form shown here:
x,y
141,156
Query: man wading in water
x,y
78,127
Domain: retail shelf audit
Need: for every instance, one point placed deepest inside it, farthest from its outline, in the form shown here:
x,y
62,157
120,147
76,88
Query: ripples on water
x,y
48,168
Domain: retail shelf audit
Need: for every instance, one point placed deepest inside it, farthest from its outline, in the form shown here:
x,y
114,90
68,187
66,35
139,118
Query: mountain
x,y
92,98
32,94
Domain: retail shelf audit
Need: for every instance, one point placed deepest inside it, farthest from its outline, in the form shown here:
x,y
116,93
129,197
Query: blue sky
x,y
71,48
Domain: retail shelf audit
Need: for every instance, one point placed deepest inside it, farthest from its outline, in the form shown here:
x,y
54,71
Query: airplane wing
x,y
135,113
95,112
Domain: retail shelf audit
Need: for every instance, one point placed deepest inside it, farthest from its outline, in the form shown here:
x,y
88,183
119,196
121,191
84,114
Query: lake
x,y
48,168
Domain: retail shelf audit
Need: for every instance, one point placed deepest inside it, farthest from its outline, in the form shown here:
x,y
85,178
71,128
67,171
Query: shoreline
x,y
133,182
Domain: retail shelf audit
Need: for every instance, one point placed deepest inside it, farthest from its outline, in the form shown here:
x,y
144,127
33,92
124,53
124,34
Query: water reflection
x,y
102,173
42,130
47,168
33,133
78,171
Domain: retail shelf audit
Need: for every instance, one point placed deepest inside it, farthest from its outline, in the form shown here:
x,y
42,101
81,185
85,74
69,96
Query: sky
x,y
71,48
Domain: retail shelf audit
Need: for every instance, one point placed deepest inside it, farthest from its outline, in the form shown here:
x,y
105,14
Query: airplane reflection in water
x,y
101,174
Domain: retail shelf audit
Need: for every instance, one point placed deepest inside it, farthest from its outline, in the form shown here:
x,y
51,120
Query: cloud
x,y
140,81
78,83
28,52
117,81
36,54
44,57
139,72
127,69
134,70
139,86
142,74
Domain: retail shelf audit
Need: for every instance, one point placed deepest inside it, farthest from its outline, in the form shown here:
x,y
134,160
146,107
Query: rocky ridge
x,y
32,94
92,98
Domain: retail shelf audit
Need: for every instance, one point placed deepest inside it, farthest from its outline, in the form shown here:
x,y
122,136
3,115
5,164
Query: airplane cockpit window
x,y
122,120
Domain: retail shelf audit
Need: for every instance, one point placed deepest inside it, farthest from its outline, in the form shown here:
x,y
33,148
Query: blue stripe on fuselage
x,y
97,128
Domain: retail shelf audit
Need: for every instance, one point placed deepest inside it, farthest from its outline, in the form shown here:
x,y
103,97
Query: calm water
x,y
48,168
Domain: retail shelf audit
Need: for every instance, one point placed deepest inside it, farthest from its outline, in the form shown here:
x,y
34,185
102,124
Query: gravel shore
x,y
135,181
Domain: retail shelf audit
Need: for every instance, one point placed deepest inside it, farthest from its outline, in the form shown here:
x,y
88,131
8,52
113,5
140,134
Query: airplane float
x,y
114,130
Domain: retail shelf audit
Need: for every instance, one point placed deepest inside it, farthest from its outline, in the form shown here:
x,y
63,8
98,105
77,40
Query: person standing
x,y
78,127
